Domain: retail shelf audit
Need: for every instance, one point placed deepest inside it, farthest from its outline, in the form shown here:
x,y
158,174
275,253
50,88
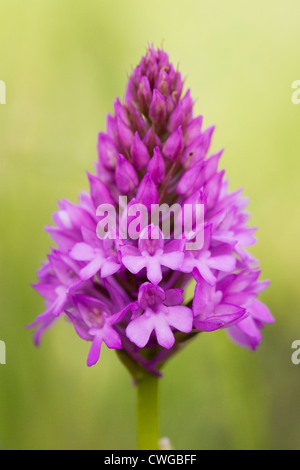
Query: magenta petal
x,y
124,133
176,118
109,267
41,330
193,130
211,165
125,176
205,272
45,290
224,263
205,299
92,268
144,93
139,330
100,193
158,107
229,314
64,239
181,318
210,324
154,273
147,193
111,338
80,327
151,296
173,145
174,245
94,354
130,250
139,152
171,260
173,297
247,331
82,252
107,150
261,312
249,327
192,179
134,263
157,167
164,335
163,83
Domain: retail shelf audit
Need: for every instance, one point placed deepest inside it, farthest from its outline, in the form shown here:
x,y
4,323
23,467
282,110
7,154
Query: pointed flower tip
x,y
173,145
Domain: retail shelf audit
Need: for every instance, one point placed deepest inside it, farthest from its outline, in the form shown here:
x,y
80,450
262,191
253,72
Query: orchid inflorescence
x,y
129,292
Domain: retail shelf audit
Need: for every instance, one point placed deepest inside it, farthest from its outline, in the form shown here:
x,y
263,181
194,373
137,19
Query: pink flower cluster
x,y
129,293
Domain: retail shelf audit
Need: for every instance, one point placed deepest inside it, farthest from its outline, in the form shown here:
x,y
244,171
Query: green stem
x,y
147,412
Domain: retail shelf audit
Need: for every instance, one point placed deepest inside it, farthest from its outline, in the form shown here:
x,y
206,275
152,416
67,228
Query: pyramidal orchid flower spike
x,y
124,287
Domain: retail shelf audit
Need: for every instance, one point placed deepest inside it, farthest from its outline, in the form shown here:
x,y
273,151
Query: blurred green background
x,y
64,62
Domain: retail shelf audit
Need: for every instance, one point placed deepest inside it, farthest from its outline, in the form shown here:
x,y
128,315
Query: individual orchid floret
x,y
158,311
57,279
94,322
99,254
243,289
207,263
152,253
210,309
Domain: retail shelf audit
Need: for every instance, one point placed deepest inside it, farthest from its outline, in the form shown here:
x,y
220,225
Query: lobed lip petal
x,y
172,260
134,263
181,318
154,272
139,331
164,335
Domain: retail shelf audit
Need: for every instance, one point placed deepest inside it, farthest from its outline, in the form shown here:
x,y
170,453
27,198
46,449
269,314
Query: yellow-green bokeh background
x,y
64,62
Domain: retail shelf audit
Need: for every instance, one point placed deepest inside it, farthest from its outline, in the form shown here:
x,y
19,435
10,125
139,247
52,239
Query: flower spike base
x,y
148,412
